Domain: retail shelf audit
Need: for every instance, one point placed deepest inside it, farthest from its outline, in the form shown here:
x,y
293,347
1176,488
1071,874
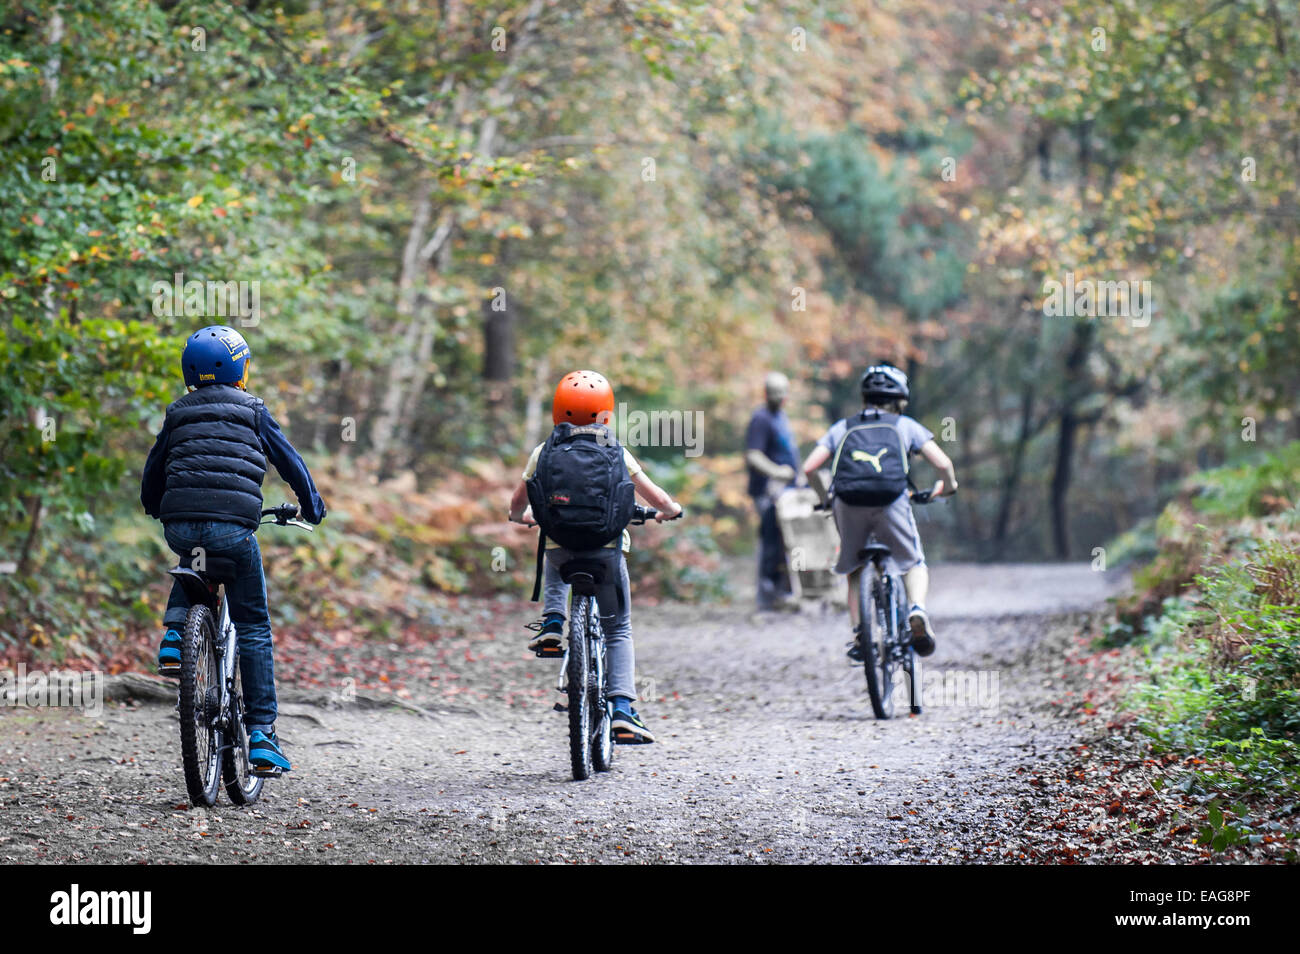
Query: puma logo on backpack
x,y
870,465
581,493
875,460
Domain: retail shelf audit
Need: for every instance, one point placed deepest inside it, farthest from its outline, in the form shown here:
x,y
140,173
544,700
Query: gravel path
x,y
768,752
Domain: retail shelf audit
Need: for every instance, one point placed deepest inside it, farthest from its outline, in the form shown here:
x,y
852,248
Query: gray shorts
x,y
894,526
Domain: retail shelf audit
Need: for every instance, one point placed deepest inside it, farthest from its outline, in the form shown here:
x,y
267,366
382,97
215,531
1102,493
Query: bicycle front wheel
x,y
580,708
199,704
602,741
911,661
873,643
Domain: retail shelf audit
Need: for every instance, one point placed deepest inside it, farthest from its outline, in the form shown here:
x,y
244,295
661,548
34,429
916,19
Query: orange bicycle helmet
x,y
583,397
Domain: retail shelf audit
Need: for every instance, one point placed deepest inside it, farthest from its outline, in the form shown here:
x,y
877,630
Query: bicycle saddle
x,y
874,551
583,575
215,569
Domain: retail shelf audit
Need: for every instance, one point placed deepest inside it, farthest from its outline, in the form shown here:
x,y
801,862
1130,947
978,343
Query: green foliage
x,y
70,391
1138,544
1264,485
1229,689
1236,827
1159,630
100,582
886,250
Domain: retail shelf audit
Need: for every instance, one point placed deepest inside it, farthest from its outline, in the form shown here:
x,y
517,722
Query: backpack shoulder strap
x,y
541,559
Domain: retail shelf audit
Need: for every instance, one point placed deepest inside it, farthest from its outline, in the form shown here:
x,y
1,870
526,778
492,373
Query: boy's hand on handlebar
x,y
663,515
526,518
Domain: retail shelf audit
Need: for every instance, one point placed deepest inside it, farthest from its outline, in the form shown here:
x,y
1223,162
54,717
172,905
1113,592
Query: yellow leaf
x,y
194,201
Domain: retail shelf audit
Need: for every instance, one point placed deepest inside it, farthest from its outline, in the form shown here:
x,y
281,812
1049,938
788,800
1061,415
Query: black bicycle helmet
x,y
884,382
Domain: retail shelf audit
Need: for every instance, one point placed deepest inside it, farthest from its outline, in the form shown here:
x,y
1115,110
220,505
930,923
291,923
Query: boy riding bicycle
x,y
203,480
869,480
583,470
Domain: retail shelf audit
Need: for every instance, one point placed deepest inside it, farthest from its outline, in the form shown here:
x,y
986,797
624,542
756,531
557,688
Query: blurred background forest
x,y
447,205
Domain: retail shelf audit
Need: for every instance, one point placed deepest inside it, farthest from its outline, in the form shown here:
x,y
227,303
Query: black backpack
x,y
581,494
870,465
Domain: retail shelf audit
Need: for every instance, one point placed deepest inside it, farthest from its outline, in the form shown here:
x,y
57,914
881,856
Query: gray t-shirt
x,y
914,433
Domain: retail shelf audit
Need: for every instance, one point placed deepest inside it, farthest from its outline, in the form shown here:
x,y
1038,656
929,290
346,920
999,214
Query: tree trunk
x,y
54,65
403,366
535,407
499,349
1061,475
35,507
1073,389
394,422
1012,482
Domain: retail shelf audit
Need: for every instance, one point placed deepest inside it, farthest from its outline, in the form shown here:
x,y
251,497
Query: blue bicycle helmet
x,y
217,354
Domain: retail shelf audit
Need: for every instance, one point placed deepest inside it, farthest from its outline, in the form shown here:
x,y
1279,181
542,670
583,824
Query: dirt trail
x,y
768,752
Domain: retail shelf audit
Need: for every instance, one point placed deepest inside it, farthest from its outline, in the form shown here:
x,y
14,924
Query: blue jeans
x,y
246,599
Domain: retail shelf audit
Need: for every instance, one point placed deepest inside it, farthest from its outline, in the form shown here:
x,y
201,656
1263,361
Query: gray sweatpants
x,y
614,600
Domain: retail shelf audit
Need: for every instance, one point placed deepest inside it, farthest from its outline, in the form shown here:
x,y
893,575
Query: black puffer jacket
x,y
214,463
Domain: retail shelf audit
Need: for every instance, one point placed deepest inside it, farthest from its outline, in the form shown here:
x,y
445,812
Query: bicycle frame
x,y
228,649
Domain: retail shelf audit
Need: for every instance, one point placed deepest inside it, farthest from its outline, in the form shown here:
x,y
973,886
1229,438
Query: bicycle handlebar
x,y
642,514
916,496
286,515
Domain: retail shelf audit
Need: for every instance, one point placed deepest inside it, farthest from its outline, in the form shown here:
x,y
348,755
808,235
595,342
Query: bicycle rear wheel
x,y
242,786
874,609
199,702
580,710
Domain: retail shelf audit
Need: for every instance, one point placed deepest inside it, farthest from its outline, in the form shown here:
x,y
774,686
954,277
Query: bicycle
x,y
883,637
583,671
886,644
214,741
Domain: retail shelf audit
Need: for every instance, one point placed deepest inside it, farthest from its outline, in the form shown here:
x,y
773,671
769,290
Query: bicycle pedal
x,y
555,653
561,707
273,771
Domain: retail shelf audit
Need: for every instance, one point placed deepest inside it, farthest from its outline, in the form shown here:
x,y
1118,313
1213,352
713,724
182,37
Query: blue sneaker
x,y
169,654
264,754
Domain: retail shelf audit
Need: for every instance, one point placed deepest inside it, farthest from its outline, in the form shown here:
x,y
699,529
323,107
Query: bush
x,y
1231,689
1256,489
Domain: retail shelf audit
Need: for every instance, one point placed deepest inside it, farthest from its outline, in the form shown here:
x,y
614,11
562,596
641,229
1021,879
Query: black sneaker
x,y
854,652
628,728
922,634
550,633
